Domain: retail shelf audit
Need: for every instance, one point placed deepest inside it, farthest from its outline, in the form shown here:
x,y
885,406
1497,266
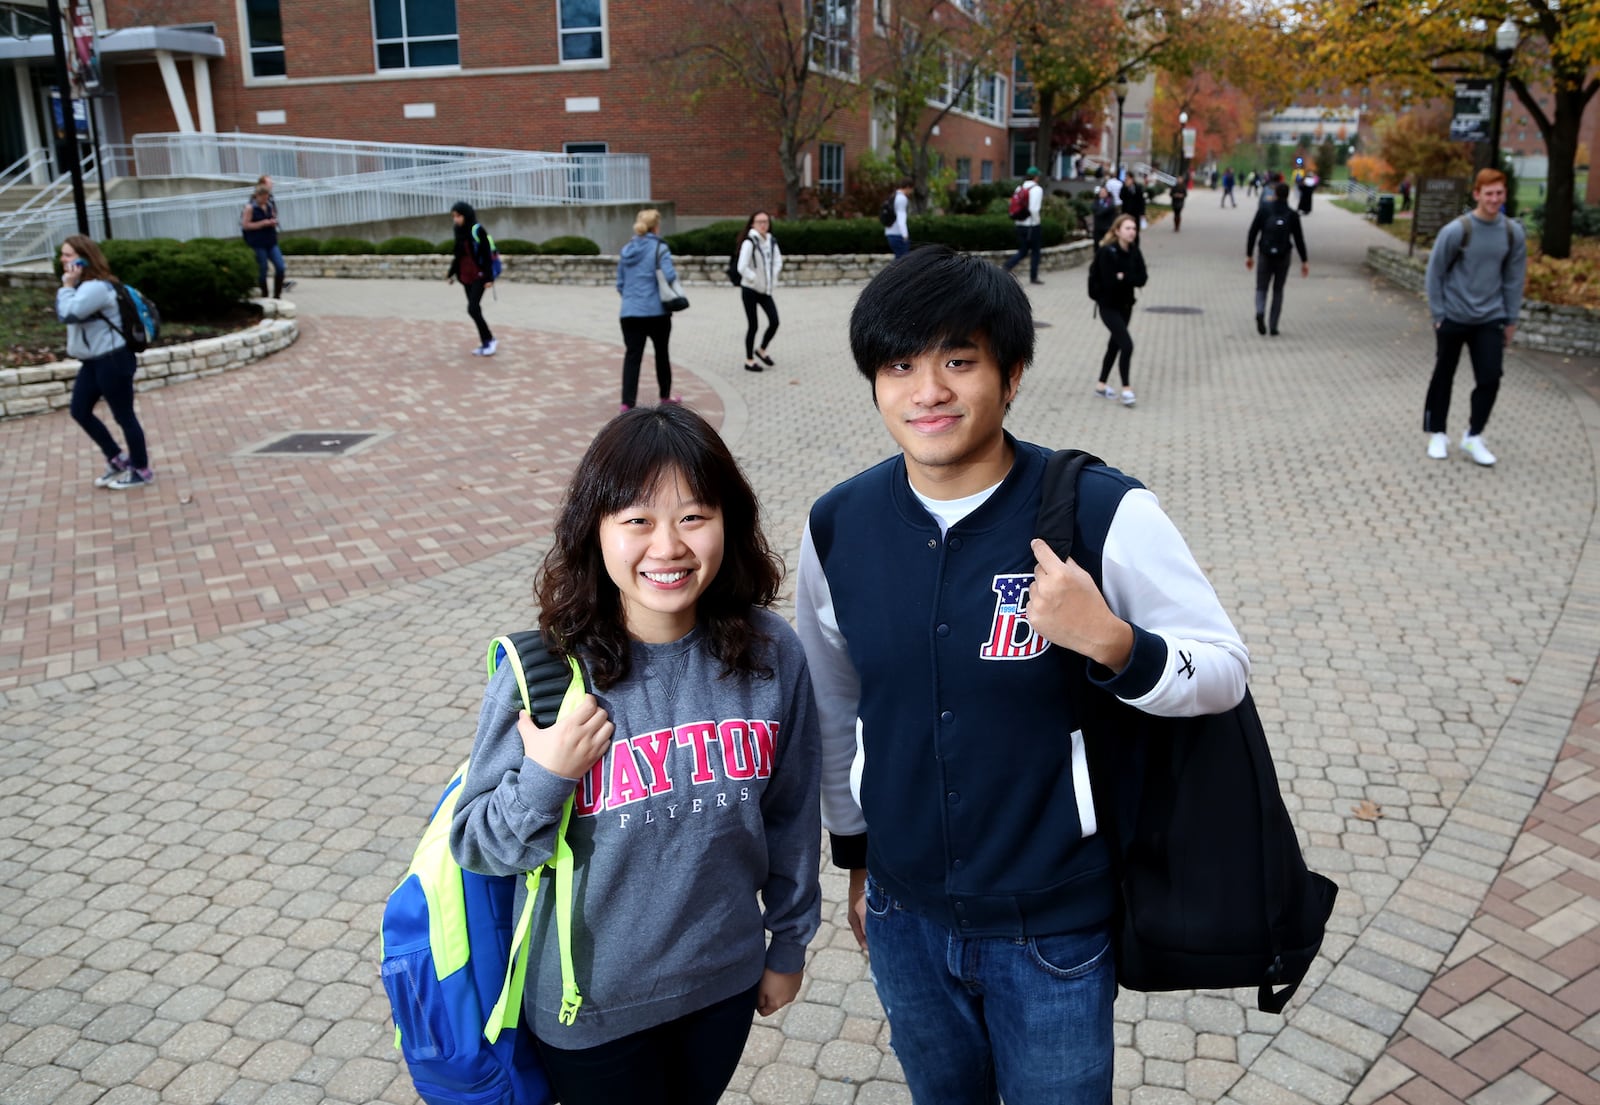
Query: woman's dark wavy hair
x,y
580,608
936,299
468,217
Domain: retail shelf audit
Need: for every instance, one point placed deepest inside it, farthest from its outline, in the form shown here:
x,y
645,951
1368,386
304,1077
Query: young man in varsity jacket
x,y
954,778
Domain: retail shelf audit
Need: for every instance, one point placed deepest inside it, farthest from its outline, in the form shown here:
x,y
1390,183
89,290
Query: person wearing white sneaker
x,y
473,265
1475,277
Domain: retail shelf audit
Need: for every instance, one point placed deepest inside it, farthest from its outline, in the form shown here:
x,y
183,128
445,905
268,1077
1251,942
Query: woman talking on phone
x,y
87,303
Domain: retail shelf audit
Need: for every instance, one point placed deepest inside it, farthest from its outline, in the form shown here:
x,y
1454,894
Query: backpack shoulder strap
x,y
1058,505
549,686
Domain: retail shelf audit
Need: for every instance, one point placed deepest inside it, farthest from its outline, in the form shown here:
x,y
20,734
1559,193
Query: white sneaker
x,y
488,350
1439,446
1473,446
1127,397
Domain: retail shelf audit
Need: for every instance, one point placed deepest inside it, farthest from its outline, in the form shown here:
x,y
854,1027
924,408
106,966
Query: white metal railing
x,y
22,170
513,179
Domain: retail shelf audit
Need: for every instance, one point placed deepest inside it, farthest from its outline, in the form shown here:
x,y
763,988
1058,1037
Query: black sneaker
x,y
131,478
114,468
1261,324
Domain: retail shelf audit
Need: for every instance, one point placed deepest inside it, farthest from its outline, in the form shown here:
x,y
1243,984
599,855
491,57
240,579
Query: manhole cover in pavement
x,y
1175,310
317,442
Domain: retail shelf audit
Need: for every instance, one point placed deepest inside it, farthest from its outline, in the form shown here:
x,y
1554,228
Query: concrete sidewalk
x,y
226,700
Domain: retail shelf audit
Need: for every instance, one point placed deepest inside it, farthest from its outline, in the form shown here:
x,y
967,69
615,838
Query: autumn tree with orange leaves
x,y
1426,45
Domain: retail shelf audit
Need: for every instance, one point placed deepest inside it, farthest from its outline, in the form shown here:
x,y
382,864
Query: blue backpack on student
x,y
454,965
496,267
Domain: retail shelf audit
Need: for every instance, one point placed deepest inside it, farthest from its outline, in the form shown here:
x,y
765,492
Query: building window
x,y
992,98
833,35
583,35
415,34
1022,96
963,174
880,16
265,25
830,167
986,172
586,176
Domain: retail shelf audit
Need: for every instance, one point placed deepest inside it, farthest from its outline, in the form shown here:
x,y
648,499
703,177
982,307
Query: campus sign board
x,y
1474,111
1439,199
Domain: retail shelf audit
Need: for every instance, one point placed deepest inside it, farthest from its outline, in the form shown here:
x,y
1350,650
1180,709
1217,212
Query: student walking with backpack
x,y
1227,189
644,317
1026,204
259,224
473,265
1278,227
87,302
1114,274
759,263
896,231
1475,276
693,767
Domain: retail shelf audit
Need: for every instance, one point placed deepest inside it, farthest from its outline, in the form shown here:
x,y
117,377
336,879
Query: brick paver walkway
x,y
226,700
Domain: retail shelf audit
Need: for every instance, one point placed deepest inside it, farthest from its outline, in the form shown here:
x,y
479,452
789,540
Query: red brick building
x,y
580,76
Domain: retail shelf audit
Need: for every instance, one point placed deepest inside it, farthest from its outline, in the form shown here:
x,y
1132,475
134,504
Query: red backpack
x,y
1019,202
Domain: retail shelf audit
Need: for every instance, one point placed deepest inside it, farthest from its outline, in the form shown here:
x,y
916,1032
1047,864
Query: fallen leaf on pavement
x,y
1368,810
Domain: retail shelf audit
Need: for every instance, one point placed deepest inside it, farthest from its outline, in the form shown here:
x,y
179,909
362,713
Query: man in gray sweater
x,y
1475,276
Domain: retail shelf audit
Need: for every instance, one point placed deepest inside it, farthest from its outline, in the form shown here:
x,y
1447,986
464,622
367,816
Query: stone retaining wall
x,y
1543,326
799,271
47,387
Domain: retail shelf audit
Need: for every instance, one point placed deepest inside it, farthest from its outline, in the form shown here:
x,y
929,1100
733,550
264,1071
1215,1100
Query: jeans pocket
x,y
878,901
1070,954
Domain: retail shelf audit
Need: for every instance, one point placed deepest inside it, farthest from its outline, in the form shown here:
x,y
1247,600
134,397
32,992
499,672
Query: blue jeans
x,y
263,255
975,1019
898,245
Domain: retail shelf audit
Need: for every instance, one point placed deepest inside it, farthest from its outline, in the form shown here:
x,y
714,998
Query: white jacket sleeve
x,y
777,265
838,692
747,262
1188,659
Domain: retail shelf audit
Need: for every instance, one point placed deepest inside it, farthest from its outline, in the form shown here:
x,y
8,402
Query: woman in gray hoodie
x,y
693,769
87,303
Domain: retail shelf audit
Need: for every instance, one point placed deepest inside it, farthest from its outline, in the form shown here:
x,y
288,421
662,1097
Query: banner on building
x,y
83,58
1474,111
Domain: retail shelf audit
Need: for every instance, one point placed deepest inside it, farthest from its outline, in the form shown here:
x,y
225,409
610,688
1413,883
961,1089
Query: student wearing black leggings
x,y
1118,268
87,303
760,262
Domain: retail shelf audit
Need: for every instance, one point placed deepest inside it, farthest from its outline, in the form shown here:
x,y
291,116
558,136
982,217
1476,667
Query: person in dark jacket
x,y
259,222
1117,269
938,634
1179,195
473,265
1134,200
1103,210
1278,228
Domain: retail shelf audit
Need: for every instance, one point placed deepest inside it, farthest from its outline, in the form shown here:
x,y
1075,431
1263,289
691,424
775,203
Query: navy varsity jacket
x,y
953,768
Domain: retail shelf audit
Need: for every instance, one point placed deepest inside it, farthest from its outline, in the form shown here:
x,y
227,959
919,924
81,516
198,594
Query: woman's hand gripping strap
x,y
509,1005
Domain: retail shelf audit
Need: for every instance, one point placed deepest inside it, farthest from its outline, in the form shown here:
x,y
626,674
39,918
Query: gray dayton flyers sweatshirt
x,y
1482,283
707,798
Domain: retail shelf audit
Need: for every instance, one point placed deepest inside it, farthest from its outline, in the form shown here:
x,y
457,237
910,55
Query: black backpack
x,y
1276,237
1213,892
733,264
886,214
139,318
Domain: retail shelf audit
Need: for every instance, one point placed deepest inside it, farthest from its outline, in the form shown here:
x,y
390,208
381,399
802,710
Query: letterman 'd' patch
x,y
1011,635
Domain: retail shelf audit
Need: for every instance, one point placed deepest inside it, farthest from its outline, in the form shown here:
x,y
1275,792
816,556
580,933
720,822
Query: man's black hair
x,y
1281,190
934,298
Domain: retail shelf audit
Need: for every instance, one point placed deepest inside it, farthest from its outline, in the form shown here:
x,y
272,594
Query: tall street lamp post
x,y
1121,89
1183,156
1505,44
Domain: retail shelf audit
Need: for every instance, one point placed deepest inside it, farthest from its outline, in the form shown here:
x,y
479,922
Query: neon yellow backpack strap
x,y
508,1006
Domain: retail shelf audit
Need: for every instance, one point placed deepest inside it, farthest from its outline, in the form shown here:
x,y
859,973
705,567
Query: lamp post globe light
x,y
1505,44
1183,157
1121,89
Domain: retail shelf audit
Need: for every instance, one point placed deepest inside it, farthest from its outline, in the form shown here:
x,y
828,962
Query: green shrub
x,y
570,245
347,246
981,199
299,247
201,279
404,246
446,247
719,238
1585,220
512,247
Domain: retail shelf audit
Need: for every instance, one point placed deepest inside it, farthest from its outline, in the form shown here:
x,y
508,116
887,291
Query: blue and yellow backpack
x,y
454,964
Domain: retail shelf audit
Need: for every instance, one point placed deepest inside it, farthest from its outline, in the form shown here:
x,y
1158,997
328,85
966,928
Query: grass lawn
x,y
30,334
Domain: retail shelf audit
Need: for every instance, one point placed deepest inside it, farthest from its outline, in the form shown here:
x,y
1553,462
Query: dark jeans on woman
x,y
635,329
263,255
752,300
688,1061
475,310
1486,345
1120,345
110,378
